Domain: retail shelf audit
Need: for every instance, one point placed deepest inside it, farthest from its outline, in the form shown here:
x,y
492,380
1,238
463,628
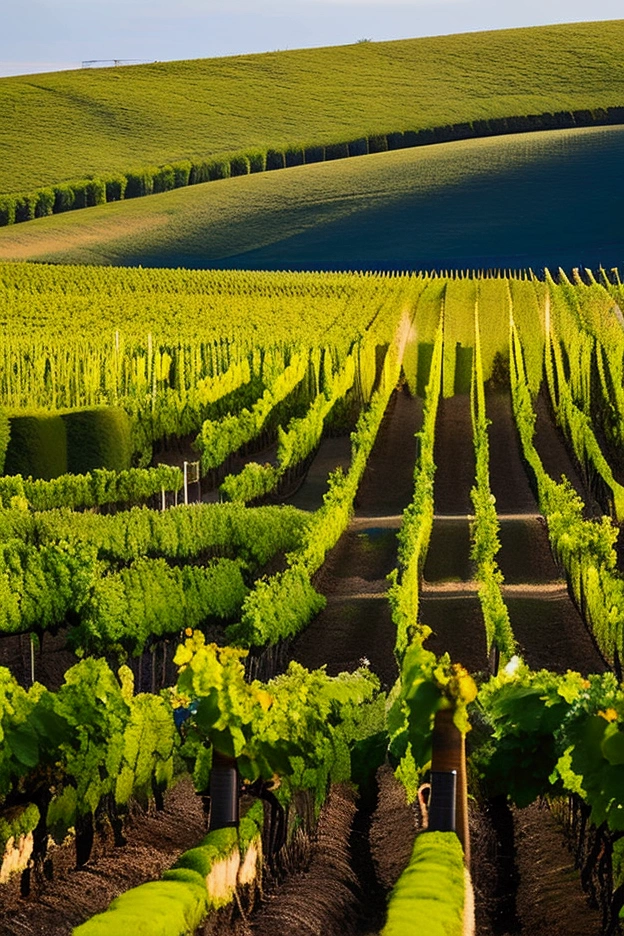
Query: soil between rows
x,y
548,628
356,624
155,839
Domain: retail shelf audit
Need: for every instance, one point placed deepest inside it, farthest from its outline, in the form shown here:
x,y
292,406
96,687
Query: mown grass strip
x,y
429,895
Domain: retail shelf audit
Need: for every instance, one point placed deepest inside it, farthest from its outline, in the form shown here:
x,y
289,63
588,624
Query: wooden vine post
x,y
449,754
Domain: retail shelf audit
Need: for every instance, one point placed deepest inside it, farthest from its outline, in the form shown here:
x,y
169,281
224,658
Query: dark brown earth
x,y
549,630
549,898
555,455
155,839
49,661
344,873
547,626
356,624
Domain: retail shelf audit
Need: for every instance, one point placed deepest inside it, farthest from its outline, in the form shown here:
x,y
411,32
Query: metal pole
x,y
186,482
443,801
224,812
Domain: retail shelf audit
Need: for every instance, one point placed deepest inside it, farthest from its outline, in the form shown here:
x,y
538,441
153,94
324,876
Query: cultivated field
x,y
387,570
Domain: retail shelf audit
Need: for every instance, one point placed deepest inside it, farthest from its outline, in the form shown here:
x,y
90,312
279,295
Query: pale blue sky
x,y
46,35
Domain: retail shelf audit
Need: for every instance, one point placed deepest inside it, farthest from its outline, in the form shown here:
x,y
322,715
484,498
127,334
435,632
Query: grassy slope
x,y
506,201
66,125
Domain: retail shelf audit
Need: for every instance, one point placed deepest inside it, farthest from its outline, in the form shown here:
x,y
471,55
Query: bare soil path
x,y
552,635
154,841
547,626
356,623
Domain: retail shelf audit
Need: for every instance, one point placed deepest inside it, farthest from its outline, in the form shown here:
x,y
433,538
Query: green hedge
x,y
257,161
358,147
336,151
181,173
96,192
94,489
209,170
378,143
139,182
240,165
44,445
429,895
7,210
164,179
116,188
63,198
37,446
294,156
275,159
44,204
25,208
177,904
5,434
314,154
147,180
98,438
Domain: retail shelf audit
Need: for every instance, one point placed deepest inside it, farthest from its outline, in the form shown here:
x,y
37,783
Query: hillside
x,y
68,125
510,201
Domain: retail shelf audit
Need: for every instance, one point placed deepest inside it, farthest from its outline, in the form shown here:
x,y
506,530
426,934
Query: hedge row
x,y
93,489
429,896
47,445
5,434
149,180
203,878
282,605
485,527
415,532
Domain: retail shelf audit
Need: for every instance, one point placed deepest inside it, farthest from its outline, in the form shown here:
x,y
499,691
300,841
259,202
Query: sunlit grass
x,y
68,125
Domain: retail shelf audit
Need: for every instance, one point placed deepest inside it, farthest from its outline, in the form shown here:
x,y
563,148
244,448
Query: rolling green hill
x,y
68,125
540,199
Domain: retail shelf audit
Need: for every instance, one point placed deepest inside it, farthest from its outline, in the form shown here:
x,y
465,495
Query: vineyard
x,y
339,553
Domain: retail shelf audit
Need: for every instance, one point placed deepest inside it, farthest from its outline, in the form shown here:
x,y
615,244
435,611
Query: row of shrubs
x,y
86,193
5,431
47,445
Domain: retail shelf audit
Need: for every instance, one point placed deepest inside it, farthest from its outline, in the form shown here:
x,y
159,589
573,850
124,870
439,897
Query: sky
x,y
49,35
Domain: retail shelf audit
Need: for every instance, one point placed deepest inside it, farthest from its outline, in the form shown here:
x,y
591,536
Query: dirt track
x,y
356,623
549,631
